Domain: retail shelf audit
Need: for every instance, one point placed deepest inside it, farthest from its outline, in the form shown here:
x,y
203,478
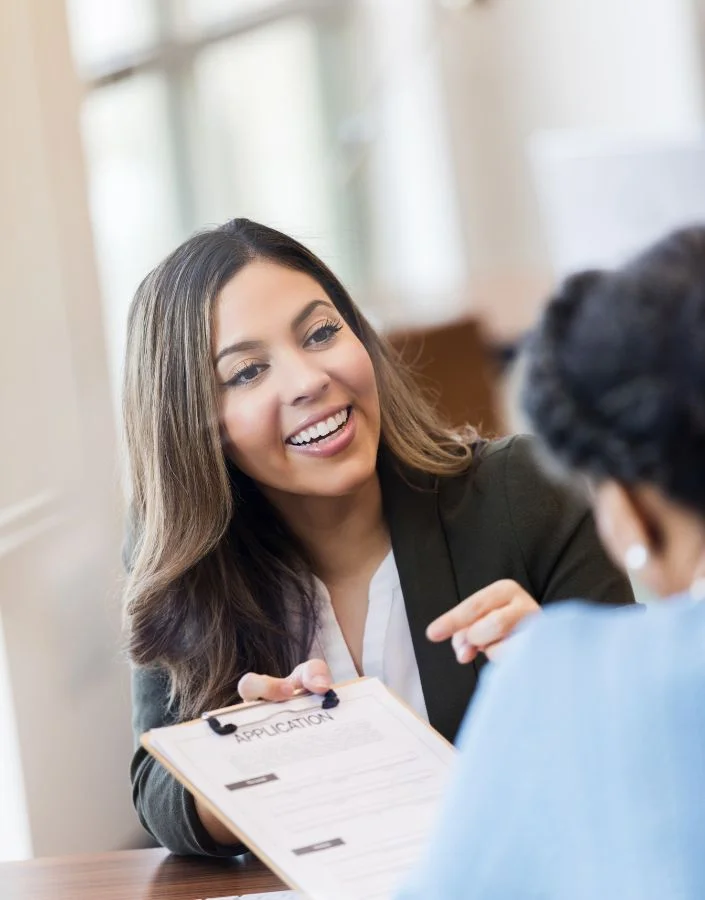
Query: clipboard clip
x,y
219,727
330,701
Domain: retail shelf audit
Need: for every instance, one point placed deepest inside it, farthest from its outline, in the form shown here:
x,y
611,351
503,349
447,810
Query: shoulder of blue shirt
x,y
589,645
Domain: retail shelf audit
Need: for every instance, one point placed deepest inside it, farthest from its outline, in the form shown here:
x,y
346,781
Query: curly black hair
x,y
615,372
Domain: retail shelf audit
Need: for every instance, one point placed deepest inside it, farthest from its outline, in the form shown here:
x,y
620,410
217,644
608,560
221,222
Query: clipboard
x,y
147,741
385,725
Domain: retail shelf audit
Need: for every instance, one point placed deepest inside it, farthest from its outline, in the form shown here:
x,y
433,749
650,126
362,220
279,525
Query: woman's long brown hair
x,y
210,561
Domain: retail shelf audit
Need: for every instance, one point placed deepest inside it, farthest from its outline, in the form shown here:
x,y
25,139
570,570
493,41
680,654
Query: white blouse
x,y
387,649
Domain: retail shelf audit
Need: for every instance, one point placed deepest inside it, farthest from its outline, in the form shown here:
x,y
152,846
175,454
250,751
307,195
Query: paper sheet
x,y
338,801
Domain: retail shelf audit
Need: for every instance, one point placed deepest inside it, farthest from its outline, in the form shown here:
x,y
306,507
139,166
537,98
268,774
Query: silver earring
x,y
636,557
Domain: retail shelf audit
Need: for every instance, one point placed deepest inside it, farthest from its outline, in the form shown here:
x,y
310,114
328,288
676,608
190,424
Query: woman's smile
x,y
327,436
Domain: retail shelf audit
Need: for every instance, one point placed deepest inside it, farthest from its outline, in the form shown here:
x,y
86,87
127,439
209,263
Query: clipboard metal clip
x,y
219,727
330,701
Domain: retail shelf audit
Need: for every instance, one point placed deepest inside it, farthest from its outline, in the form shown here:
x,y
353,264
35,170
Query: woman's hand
x,y
484,620
314,676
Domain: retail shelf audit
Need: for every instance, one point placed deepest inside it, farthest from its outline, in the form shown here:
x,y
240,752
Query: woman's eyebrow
x,y
301,317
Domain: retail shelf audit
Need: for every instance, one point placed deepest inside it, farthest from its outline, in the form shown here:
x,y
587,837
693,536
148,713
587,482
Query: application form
x,y
337,801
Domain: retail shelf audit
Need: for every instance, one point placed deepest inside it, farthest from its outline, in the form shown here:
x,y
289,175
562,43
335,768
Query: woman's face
x,y
299,409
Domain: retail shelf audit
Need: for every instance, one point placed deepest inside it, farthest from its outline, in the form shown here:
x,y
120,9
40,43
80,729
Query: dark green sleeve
x,y
556,535
165,808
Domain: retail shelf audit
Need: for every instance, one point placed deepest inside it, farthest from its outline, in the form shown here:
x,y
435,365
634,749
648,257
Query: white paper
x,y
340,800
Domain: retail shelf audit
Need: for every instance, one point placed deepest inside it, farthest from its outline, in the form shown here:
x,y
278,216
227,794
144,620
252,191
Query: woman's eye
x,y
247,374
323,333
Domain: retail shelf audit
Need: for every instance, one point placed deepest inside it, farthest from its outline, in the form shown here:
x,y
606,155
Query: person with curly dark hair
x,y
573,787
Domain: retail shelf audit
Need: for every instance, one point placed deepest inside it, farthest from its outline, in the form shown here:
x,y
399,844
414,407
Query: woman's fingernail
x,y
462,652
320,681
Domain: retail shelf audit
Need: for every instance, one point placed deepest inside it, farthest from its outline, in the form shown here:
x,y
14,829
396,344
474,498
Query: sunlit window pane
x,y
203,13
102,30
263,146
133,193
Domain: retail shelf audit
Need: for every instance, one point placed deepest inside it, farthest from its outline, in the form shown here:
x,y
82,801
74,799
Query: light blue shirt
x,y
582,767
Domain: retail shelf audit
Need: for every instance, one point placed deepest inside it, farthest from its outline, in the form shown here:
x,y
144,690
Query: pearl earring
x,y
697,589
636,557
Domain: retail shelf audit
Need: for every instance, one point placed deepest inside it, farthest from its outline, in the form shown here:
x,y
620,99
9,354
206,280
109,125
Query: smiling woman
x,y
300,514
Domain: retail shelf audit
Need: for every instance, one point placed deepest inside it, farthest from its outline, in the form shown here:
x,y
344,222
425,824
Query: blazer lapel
x,y
428,584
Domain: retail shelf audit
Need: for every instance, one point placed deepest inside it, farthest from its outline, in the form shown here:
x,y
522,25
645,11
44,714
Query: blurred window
x,y
103,30
134,191
200,13
197,111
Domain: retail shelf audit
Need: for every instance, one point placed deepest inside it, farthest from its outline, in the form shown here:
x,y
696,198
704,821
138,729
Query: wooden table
x,y
133,875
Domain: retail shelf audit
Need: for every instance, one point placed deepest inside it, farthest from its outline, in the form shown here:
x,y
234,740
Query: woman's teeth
x,y
321,429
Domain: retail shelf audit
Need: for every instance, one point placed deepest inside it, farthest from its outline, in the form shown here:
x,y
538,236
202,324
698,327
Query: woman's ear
x,y
628,529
637,526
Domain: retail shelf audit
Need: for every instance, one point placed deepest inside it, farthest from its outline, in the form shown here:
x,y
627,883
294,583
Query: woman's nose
x,y
303,380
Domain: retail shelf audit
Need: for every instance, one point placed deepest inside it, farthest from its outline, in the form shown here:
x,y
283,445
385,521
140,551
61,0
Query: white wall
x,y
65,710
514,66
